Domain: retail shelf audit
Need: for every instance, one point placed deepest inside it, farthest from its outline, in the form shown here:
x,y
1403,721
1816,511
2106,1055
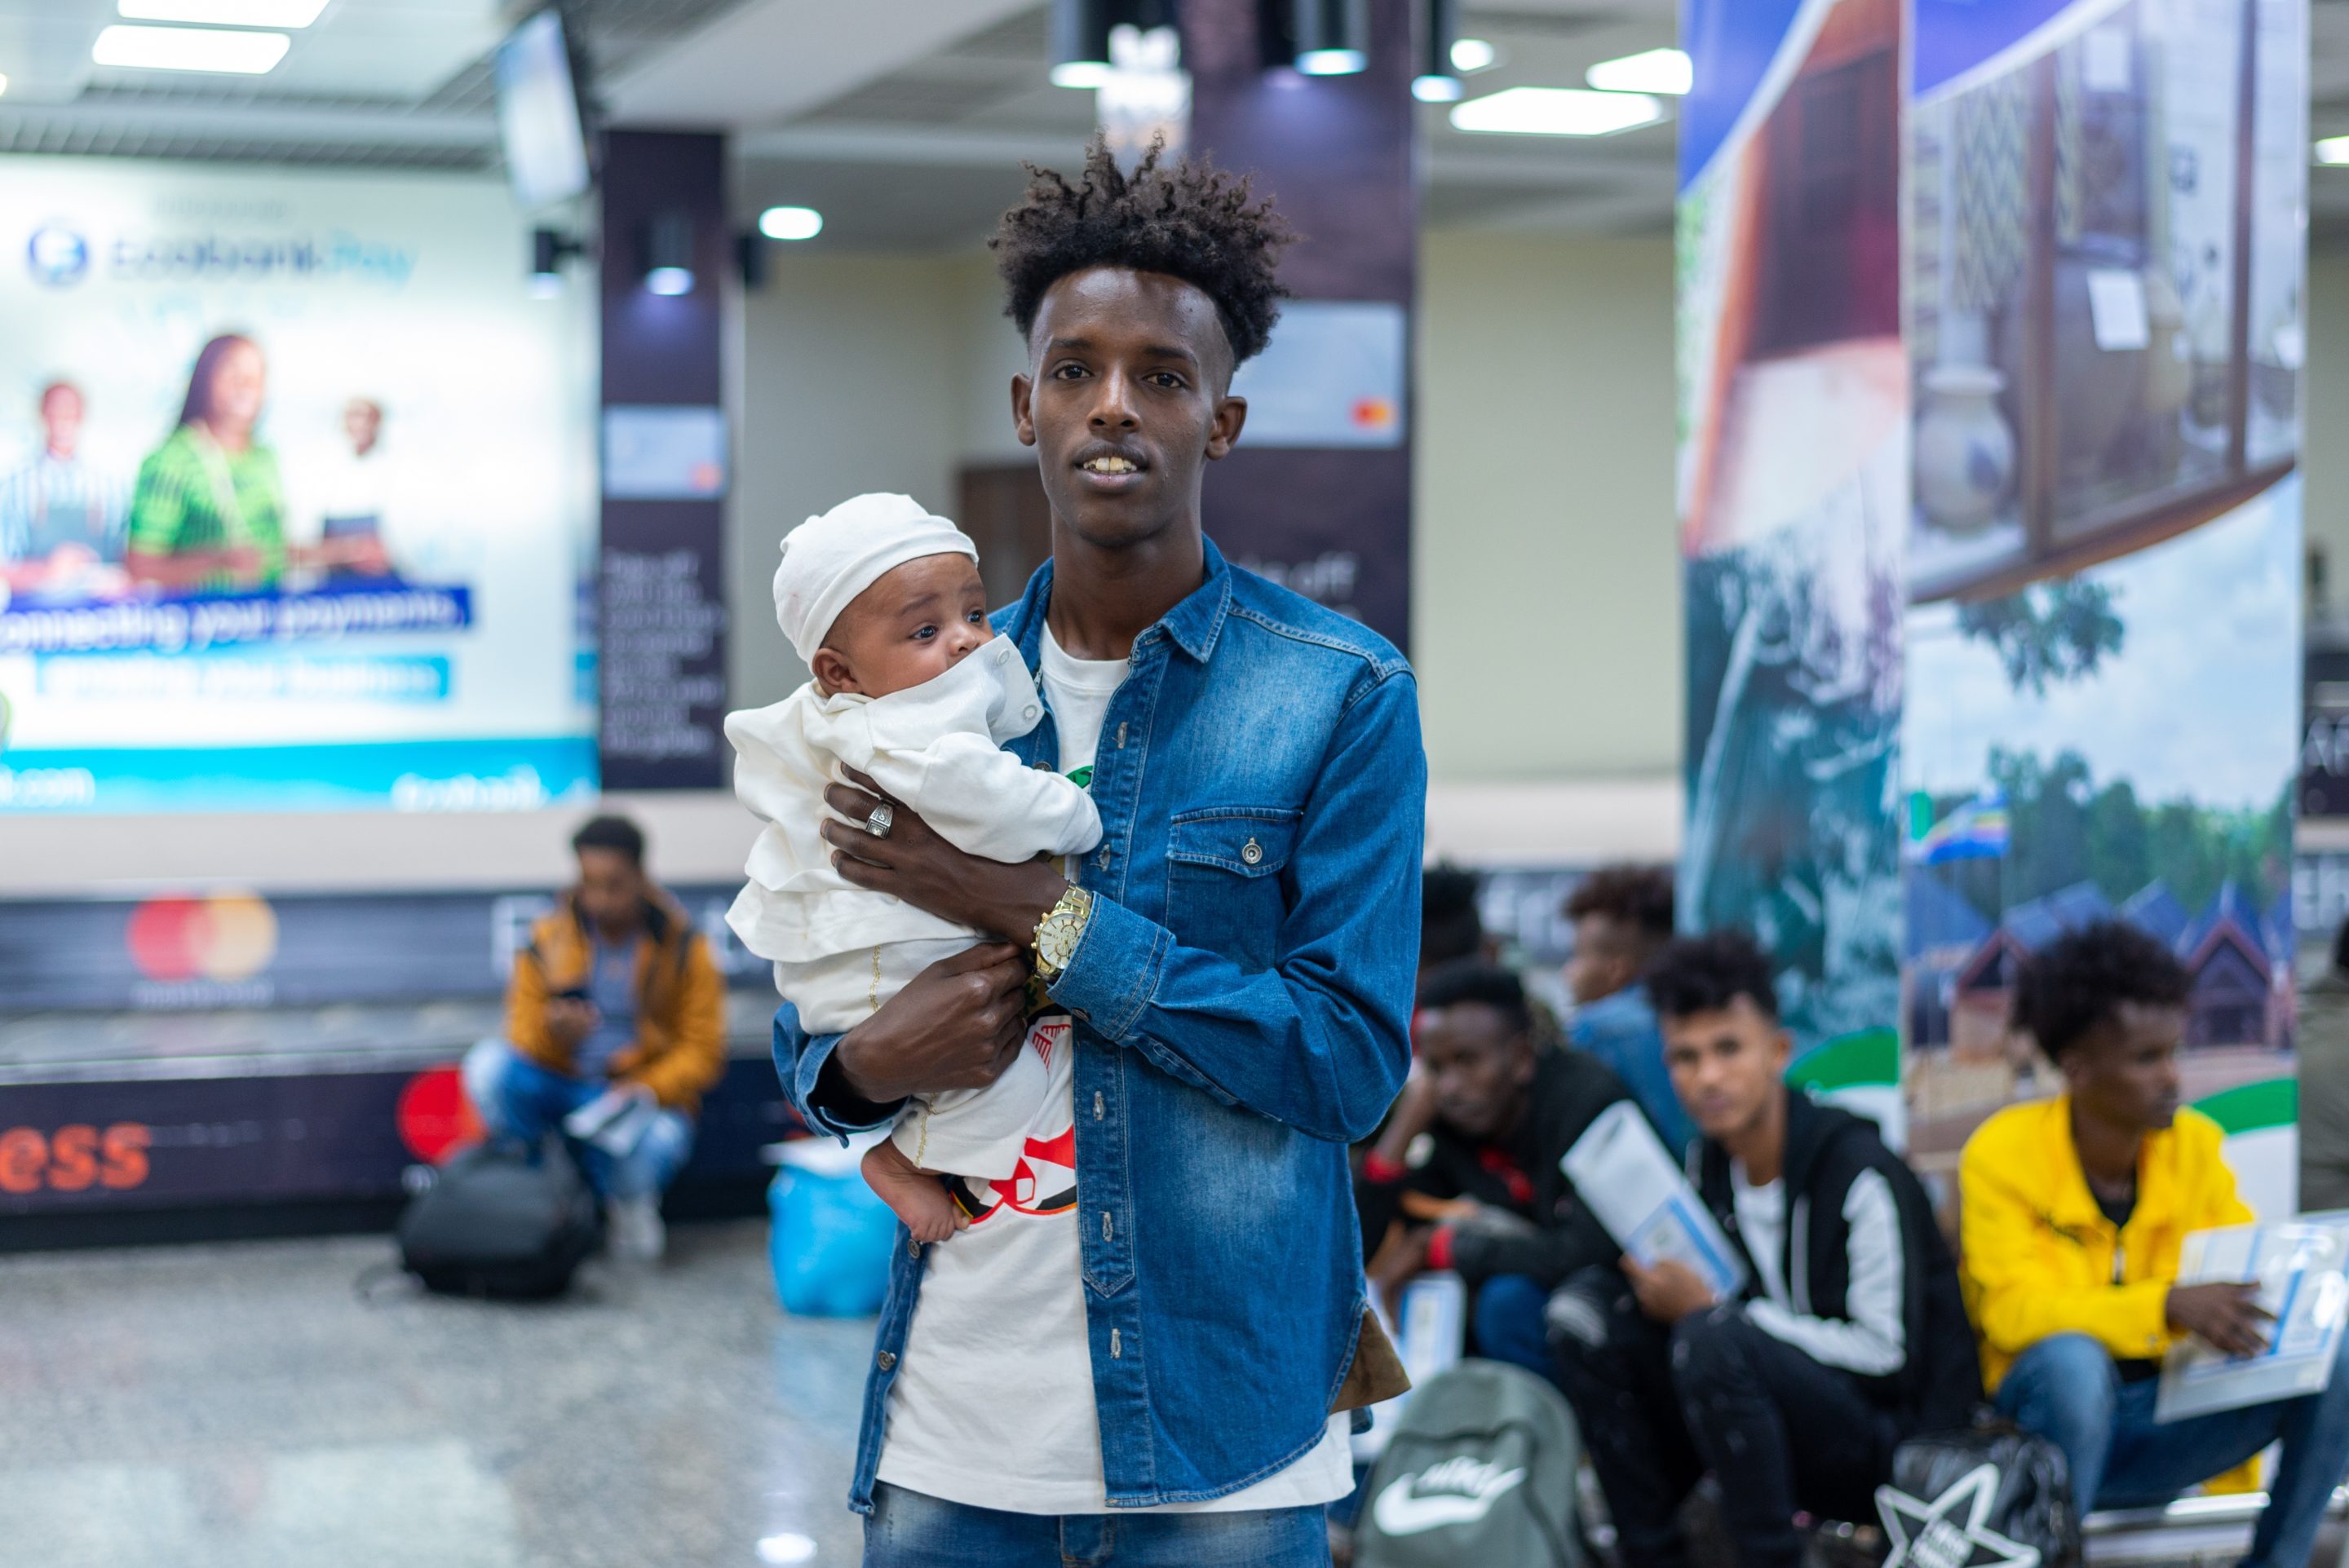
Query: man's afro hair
x,y
1189,221
2077,981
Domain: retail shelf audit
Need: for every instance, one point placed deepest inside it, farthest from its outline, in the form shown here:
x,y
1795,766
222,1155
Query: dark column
x,y
663,595
1337,153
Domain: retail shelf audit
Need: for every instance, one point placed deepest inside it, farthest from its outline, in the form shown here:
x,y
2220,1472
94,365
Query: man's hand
x,y
2228,1317
957,1024
915,864
1668,1291
570,1020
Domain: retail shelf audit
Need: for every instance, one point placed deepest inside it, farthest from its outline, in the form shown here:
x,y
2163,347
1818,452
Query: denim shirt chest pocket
x,y
1225,890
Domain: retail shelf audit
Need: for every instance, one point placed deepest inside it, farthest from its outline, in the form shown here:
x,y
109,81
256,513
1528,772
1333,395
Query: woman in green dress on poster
x,y
209,510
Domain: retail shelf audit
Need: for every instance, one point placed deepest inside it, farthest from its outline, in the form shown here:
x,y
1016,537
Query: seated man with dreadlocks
x,y
1141,1348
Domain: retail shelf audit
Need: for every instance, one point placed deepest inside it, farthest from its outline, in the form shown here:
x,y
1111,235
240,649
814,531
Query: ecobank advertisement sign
x,y
296,496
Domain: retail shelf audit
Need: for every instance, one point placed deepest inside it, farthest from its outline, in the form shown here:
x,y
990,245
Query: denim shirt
x,y
1621,1030
1241,999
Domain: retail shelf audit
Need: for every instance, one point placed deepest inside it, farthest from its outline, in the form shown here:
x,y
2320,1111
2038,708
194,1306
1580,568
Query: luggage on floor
x,y
502,1221
832,1237
1992,1493
1480,1469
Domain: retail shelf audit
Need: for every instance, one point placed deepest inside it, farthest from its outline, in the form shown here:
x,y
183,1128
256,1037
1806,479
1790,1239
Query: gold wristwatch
x,y
1058,933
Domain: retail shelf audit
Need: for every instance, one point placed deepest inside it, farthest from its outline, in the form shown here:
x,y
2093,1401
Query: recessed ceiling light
x,y
1557,111
1665,71
224,13
1080,74
1437,89
190,49
2332,149
1474,55
1332,62
791,223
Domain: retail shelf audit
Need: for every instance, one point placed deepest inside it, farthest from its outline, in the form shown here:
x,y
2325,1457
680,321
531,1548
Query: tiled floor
x,y
243,1406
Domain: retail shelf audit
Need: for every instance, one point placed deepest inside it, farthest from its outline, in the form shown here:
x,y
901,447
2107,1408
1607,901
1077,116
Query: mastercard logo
x,y
219,936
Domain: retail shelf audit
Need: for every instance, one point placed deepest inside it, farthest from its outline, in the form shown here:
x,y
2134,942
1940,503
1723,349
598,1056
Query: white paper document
x,y
1622,1174
2298,1266
614,1121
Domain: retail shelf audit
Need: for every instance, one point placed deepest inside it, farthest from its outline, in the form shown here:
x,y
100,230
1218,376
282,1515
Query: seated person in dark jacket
x,y
1481,1191
1850,1336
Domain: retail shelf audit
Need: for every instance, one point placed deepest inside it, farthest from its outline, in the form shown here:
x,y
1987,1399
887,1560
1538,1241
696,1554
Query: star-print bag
x,y
1993,1496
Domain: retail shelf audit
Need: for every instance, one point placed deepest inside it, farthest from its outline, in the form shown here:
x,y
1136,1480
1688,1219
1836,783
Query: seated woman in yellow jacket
x,y
2074,1212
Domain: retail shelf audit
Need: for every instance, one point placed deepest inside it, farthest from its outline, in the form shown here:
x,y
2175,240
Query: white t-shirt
x,y
993,1402
1761,1220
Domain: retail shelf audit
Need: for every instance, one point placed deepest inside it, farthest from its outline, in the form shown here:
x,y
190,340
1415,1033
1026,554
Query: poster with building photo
x,y
298,495
1794,473
2103,542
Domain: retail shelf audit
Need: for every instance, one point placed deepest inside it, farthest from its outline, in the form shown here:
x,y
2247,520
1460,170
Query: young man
x,y
2074,1212
1132,1355
1623,917
1851,1334
616,989
1485,1185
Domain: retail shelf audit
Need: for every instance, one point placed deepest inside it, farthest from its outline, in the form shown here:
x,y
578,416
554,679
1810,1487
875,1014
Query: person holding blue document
x,y
1848,1336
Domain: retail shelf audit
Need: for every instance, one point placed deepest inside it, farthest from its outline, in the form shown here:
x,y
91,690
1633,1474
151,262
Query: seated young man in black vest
x,y
1850,1336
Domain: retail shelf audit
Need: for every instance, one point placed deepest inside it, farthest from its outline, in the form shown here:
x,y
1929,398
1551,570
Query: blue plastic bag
x,y
833,1236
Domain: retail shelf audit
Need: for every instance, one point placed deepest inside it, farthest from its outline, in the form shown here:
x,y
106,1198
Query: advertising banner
x,y
1793,474
2105,256
296,495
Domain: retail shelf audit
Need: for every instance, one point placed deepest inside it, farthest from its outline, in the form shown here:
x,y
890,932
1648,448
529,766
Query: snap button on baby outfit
x,y
1028,712
1002,653
1252,851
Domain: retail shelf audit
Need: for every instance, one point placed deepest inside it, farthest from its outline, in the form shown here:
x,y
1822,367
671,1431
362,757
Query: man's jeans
x,y
1506,1324
2066,1389
1661,1407
519,1099
911,1530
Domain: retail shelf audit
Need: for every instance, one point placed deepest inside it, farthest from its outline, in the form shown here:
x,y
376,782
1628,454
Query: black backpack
x,y
1992,1493
498,1222
1480,1471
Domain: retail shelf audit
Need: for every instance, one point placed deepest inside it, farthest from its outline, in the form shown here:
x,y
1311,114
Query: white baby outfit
x,y
840,951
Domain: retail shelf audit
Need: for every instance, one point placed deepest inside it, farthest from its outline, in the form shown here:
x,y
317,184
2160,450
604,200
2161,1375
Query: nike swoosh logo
x,y
1400,1512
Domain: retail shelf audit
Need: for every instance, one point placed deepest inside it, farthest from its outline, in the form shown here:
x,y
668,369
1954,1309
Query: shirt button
x,y
1116,1346
1102,859
886,1360
1098,1107
913,1248
1252,851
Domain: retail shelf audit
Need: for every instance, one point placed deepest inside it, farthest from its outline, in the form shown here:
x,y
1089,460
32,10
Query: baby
x,y
913,691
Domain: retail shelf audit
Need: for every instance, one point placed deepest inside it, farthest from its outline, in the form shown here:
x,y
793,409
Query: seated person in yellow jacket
x,y
616,991
2073,1212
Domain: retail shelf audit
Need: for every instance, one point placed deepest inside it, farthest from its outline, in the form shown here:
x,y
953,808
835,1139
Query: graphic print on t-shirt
x,y
1045,1180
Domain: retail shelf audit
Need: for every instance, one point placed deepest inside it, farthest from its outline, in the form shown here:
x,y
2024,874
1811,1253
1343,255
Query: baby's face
x,y
915,623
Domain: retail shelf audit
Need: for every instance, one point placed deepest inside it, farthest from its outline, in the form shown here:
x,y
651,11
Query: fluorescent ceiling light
x,y
1473,54
669,281
1557,111
190,49
1665,71
1437,89
791,223
1332,62
2332,149
1080,74
224,13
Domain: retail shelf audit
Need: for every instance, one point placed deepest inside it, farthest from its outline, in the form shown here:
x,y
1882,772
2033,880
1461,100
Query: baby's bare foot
x,y
913,1194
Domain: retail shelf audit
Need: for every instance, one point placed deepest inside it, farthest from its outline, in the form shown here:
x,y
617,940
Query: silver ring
x,y
881,821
